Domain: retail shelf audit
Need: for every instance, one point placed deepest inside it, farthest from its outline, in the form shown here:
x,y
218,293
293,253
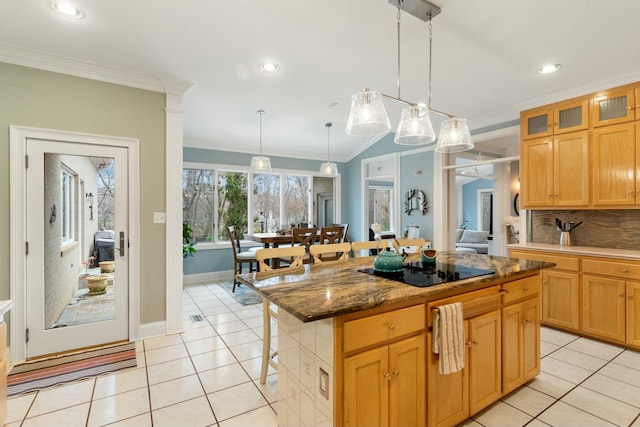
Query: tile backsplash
x,y
618,229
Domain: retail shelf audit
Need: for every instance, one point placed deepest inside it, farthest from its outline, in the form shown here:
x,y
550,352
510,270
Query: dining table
x,y
270,239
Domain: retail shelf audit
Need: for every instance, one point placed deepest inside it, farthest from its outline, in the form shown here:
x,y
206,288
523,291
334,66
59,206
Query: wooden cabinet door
x,y
571,169
571,116
561,299
603,307
536,123
633,313
485,360
407,386
512,345
537,173
614,157
613,106
447,395
531,338
367,377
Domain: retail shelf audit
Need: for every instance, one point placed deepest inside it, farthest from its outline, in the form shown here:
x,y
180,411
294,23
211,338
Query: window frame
x,y
68,206
217,168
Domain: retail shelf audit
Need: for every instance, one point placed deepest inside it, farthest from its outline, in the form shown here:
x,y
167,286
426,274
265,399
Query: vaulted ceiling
x,y
485,57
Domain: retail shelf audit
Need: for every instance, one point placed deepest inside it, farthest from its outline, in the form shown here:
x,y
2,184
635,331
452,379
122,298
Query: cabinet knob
x,y
396,373
624,270
468,344
387,375
391,326
525,289
621,295
475,342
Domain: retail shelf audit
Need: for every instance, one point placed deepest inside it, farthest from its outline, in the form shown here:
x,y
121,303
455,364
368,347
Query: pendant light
x,y
261,163
368,116
328,167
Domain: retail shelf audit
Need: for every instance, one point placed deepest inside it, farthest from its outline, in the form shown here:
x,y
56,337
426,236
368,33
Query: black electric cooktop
x,y
422,275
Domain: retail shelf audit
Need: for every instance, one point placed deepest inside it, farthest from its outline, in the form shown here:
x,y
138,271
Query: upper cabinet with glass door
x,y
562,117
617,105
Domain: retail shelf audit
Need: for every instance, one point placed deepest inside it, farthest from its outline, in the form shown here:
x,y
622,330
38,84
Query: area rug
x,y
243,294
40,374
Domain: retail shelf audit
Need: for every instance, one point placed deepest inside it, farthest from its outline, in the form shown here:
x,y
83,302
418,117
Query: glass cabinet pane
x,y
612,108
538,124
570,117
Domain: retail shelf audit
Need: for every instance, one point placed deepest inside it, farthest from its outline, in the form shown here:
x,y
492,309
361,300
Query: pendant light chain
x,y
260,113
398,37
430,61
328,125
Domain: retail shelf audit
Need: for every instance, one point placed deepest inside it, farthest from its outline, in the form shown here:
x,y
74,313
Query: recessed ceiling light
x,y
549,68
269,67
67,10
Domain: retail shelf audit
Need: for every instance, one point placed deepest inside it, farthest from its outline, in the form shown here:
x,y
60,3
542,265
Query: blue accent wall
x,y
470,201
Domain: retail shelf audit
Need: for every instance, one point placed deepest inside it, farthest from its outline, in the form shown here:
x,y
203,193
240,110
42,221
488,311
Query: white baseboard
x,y
155,329
189,279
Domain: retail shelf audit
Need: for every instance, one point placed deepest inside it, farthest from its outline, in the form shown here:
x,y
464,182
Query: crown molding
x,y
88,70
612,81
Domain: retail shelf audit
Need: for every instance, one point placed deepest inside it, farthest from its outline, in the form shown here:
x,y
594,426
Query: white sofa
x,y
472,239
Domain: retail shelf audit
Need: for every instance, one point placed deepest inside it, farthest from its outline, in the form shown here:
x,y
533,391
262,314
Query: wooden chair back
x,y
235,241
330,252
368,245
304,237
331,235
294,253
408,245
345,229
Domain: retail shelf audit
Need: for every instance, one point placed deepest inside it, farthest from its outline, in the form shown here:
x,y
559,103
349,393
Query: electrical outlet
x,y
324,383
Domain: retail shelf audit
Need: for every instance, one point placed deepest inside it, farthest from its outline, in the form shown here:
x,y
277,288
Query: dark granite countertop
x,y
329,289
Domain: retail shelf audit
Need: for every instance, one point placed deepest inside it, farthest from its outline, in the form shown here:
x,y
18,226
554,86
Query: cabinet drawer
x,y
474,303
383,327
521,289
562,262
611,268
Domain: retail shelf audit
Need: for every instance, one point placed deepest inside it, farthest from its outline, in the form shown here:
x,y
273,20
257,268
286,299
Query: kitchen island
x,y
353,348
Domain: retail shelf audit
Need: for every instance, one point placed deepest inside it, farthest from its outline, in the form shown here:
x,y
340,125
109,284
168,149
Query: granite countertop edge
x,y
324,291
580,250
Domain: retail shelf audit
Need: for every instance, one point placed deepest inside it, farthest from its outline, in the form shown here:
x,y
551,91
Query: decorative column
x,y
174,90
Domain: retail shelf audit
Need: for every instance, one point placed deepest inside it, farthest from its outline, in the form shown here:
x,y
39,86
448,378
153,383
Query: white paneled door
x,y
76,216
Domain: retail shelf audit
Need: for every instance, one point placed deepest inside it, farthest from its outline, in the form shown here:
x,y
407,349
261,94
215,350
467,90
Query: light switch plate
x,y
159,218
323,384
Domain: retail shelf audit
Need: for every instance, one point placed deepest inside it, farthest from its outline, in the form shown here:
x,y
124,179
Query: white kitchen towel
x,y
448,337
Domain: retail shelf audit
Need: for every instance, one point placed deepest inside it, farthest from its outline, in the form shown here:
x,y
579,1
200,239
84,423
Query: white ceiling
x,y
485,57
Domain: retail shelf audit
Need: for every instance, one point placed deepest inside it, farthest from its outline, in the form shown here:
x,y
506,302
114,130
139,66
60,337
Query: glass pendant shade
x,y
261,163
415,127
329,168
367,116
454,136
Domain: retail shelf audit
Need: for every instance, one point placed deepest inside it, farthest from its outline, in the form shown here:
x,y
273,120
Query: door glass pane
x,y
296,201
323,197
266,190
79,200
538,124
613,108
570,117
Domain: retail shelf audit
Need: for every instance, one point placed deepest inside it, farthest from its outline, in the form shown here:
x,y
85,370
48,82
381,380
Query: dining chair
x,y
269,312
369,246
330,252
345,228
239,256
408,245
333,234
303,237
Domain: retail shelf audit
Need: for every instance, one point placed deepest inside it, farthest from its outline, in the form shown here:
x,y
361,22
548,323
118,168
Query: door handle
x,y
121,248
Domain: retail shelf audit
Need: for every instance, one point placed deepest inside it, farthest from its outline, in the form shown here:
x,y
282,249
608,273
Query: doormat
x,y
243,294
40,374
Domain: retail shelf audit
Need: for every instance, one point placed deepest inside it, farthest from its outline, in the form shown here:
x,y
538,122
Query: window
x,y
217,197
380,206
68,204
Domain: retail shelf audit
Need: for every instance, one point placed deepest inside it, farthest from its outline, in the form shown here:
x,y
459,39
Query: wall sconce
x,y
89,197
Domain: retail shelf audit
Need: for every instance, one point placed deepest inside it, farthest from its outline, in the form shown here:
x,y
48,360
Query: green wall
x,y
42,99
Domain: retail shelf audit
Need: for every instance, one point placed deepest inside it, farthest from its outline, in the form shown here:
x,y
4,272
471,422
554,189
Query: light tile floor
x,y
209,376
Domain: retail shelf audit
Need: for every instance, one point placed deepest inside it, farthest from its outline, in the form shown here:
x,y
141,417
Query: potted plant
x,y
187,241
97,284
